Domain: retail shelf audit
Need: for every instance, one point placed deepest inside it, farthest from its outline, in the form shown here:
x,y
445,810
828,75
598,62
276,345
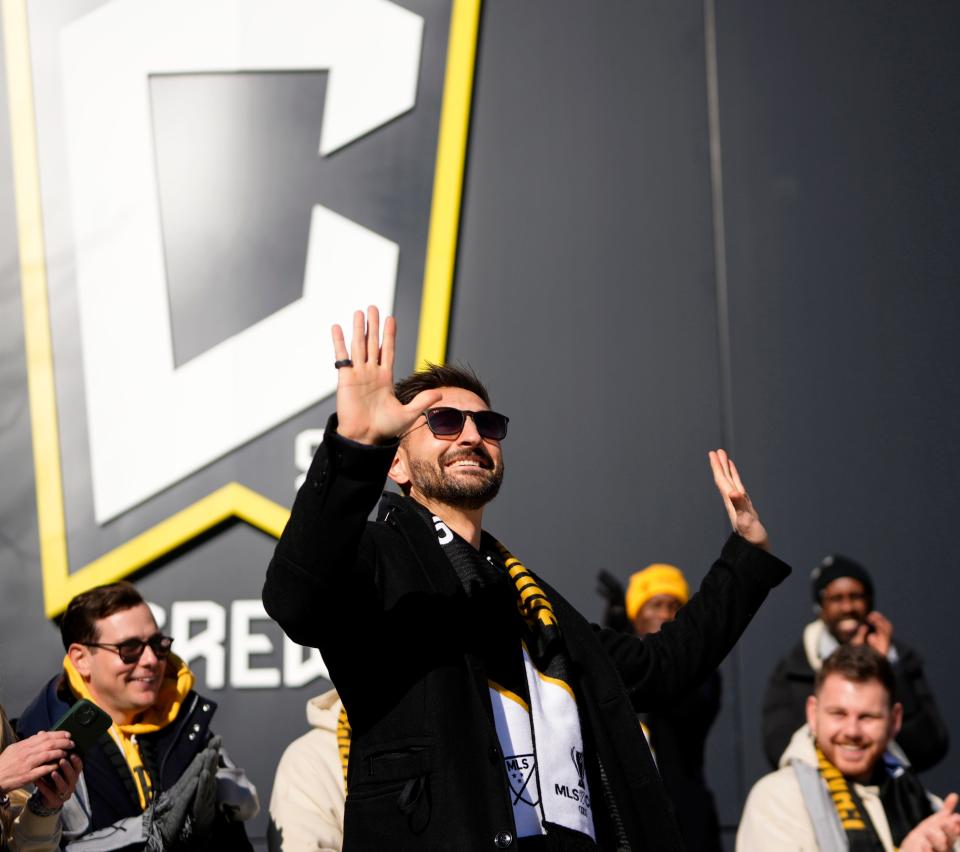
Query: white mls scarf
x,y
543,754
541,741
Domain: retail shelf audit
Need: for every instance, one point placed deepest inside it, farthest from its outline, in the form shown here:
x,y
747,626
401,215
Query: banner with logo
x,y
200,190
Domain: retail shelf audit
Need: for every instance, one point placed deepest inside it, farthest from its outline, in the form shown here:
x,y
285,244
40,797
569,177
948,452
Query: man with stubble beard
x,y
485,712
842,785
843,600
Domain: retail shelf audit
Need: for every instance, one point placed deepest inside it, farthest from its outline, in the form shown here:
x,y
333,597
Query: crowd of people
x,y
474,708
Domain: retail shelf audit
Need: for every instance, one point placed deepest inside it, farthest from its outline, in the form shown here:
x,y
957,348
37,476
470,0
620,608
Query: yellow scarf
x,y
343,741
178,680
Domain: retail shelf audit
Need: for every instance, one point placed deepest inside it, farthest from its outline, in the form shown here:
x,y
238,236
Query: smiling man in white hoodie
x,y
843,783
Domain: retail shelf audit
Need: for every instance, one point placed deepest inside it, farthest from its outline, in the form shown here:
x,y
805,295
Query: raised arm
x,y
662,667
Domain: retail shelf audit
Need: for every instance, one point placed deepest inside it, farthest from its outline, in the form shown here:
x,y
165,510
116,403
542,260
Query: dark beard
x,y
432,481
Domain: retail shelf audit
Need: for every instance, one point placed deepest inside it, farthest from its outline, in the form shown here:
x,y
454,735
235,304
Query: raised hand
x,y
936,833
743,516
368,411
877,633
27,761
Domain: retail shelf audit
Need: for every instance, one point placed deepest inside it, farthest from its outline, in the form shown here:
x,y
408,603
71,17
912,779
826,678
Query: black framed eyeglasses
x,y
449,422
130,650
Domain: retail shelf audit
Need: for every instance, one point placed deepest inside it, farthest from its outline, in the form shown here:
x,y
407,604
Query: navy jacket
x,y
166,754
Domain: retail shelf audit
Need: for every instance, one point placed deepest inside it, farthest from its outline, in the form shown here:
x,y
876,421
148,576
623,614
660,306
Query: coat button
x,y
191,736
205,708
503,839
196,727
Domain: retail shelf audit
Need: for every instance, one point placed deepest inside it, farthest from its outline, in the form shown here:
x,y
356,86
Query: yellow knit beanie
x,y
656,579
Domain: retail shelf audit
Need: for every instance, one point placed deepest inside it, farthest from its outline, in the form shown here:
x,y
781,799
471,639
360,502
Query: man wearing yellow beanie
x,y
677,734
654,595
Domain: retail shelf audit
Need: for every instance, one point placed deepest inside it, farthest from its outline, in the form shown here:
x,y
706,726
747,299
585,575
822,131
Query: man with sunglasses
x,y
485,712
158,779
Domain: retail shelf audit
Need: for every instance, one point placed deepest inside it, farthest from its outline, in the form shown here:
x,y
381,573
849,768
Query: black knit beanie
x,y
834,567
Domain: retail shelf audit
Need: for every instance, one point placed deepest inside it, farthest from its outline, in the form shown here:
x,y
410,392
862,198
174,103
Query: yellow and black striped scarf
x,y
543,639
343,741
861,835
905,802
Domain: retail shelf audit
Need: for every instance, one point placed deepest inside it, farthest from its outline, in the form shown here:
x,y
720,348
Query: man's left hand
x,y
743,516
59,785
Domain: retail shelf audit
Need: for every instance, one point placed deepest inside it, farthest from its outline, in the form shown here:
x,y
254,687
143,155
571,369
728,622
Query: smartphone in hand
x,y
86,723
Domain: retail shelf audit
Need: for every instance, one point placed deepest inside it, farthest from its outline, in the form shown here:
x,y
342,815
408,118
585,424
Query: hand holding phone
x,y
58,786
26,761
86,723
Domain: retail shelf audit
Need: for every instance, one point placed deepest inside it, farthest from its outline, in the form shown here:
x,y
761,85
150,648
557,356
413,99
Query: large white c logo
x,y
152,424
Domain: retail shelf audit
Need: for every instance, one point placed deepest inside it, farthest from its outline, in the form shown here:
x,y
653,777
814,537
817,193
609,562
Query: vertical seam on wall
x,y
719,228
725,366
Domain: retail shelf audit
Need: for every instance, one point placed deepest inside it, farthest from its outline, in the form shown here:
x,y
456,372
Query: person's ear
x,y
399,468
812,714
896,719
80,657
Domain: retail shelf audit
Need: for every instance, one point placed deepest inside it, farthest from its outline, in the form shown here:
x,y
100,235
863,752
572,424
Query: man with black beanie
x,y
843,597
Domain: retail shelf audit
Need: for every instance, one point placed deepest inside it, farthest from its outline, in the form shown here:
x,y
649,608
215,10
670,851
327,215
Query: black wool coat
x,y
382,603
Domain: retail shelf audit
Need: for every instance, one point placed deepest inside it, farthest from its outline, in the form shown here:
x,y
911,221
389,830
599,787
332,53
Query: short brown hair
x,y
440,376
79,622
859,663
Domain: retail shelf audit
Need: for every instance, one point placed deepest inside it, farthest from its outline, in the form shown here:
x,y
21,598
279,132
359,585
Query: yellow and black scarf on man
x,y
536,715
905,802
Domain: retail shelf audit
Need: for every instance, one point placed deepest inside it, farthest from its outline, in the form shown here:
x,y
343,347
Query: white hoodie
x,y
775,816
306,807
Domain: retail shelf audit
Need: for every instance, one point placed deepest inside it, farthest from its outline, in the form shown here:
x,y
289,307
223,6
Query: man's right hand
x,y
937,832
368,411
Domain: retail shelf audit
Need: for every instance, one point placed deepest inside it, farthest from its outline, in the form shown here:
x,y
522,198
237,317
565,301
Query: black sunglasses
x,y
449,422
130,650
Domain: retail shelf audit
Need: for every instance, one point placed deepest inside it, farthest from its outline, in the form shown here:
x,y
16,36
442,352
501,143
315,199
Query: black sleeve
x,y
660,668
322,561
784,709
923,736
